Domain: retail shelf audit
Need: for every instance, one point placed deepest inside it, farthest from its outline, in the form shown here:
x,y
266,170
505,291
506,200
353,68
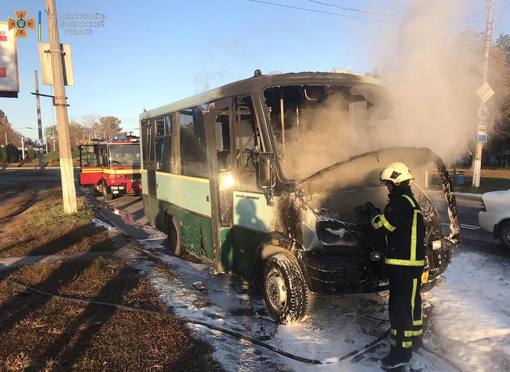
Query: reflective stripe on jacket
x,y
402,222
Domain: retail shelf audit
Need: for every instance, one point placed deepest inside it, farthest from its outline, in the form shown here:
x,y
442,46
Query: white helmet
x,y
396,172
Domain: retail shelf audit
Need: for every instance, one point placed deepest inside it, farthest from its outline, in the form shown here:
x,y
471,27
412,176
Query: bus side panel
x,y
195,231
189,193
252,219
245,244
227,254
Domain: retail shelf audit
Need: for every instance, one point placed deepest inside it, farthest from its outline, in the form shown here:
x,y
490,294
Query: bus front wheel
x,y
285,290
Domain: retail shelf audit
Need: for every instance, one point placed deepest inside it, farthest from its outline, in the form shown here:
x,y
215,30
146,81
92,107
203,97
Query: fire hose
x,y
239,335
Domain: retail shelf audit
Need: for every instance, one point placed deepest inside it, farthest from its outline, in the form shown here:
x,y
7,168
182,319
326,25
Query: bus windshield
x,y
321,125
124,154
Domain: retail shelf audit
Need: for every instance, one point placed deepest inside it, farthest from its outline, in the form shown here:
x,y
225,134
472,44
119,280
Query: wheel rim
x,y
276,291
507,236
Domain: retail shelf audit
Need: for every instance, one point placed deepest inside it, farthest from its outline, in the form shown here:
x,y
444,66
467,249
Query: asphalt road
x,y
130,208
127,213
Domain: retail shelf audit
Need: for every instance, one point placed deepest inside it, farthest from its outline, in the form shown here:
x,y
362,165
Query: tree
x,y
109,125
7,134
3,118
503,42
499,131
51,135
471,43
88,122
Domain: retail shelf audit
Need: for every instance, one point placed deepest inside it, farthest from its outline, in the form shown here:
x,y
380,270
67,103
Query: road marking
x,y
463,226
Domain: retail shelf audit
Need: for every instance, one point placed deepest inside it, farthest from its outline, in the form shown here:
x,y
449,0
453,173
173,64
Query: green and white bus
x,y
273,178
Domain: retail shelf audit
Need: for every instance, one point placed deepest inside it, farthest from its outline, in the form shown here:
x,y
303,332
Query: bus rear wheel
x,y
285,290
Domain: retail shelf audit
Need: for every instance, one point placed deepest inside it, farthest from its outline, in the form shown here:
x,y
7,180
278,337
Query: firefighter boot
x,y
417,342
394,361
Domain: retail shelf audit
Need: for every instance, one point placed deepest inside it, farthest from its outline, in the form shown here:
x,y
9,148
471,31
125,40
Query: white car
x,y
494,215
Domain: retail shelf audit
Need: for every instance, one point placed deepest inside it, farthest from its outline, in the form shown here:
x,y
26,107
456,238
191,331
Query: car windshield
x,y
124,154
321,125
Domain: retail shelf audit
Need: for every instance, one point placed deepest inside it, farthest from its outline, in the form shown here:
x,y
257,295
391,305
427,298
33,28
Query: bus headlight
x,y
226,180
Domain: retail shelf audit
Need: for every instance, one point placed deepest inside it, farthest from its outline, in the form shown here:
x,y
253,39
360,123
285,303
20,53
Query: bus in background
x,y
274,178
111,167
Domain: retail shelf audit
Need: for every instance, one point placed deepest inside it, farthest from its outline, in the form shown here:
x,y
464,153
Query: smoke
x,y
202,80
431,82
429,99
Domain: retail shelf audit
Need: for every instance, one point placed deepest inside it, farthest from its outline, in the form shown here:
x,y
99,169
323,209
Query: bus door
x,y
149,164
233,140
220,173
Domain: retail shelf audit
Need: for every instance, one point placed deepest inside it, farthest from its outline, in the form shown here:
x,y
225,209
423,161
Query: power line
x,y
347,9
375,13
355,10
501,16
316,11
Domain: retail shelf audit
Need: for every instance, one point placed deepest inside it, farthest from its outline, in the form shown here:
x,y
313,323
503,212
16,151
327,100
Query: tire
x,y
504,234
174,239
284,288
425,287
107,195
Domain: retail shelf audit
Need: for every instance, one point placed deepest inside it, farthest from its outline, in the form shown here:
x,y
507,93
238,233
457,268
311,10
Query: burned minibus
x,y
274,178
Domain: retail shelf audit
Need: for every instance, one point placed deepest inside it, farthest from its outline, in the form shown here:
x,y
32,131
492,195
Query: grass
x,y
42,332
491,179
48,230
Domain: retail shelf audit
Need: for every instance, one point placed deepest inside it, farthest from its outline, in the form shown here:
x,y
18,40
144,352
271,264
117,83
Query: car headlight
x,y
337,236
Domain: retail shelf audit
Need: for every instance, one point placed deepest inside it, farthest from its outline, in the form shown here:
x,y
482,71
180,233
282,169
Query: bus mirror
x,y
266,176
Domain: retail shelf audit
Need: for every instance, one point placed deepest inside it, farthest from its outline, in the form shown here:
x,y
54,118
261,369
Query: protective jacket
x,y
402,224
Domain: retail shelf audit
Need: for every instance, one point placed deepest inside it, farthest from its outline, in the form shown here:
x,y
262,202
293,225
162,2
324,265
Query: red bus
x,y
111,167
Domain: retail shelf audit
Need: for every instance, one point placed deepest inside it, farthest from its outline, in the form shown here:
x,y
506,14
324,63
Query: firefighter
x,y
402,224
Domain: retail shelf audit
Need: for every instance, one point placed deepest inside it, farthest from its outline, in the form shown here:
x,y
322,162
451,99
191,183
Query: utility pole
x,y
39,122
23,148
60,101
483,112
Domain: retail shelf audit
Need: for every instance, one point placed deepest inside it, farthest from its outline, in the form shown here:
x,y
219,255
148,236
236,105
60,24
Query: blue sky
x,y
150,53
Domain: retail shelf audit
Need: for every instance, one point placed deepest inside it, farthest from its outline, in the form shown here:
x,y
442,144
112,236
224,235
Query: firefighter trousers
x,y
405,315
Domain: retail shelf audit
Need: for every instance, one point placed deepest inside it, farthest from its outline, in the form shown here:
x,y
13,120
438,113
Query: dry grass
x,y
46,333
44,229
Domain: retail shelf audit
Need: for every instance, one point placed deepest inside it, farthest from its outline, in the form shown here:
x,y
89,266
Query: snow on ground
x,y
471,312
467,320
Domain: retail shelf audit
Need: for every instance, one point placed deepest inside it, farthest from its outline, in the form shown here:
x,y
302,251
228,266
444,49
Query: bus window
x,y
192,143
246,143
223,141
316,122
160,132
165,153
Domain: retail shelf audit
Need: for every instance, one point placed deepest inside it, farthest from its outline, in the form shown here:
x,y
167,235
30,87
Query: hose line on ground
x,y
239,335
190,321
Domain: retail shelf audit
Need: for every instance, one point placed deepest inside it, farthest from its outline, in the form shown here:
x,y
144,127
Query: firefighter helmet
x,y
396,173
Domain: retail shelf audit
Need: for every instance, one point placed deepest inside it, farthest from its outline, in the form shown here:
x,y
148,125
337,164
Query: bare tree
x,y
88,122
51,135
109,125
